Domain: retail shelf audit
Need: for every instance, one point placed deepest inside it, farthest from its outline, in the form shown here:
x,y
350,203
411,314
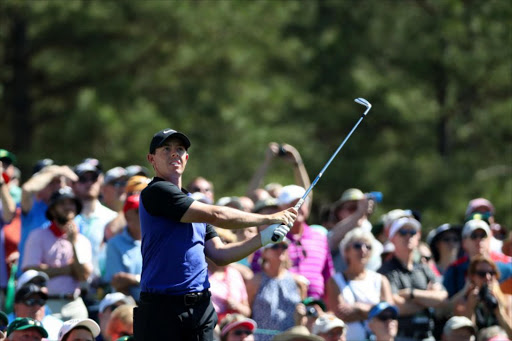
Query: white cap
x,y
325,323
475,224
401,222
289,194
70,324
395,214
457,322
31,276
113,298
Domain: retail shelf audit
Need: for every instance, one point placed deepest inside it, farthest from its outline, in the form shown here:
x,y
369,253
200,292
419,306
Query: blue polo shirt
x,y
173,256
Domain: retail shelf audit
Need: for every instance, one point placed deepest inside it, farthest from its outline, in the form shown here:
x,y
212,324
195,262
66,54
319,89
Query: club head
x,y
362,101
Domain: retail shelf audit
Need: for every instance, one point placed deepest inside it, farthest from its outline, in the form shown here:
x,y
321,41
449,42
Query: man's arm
x,y
223,254
341,228
8,204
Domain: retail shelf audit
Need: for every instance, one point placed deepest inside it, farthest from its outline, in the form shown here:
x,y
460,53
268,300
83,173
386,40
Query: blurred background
x,y
98,78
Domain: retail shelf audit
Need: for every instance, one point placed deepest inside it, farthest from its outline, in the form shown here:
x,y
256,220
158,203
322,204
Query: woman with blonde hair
x,y
484,302
352,293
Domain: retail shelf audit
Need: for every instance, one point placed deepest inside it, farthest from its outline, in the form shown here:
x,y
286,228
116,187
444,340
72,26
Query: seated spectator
x,y
330,328
297,333
63,254
30,301
352,293
25,328
483,301
274,292
459,328
383,322
107,305
445,244
124,256
121,322
79,329
237,327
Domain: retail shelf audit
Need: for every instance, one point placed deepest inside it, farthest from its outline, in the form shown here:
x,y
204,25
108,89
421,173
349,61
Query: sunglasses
x,y
34,301
359,246
426,258
118,184
84,179
483,274
280,246
450,240
405,232
240,332
475,236
386,317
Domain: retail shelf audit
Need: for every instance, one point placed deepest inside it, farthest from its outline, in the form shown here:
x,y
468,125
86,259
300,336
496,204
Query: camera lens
x,y
311,311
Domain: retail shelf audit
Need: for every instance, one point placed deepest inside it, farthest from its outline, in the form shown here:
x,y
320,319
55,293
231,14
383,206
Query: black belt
x,y
187,299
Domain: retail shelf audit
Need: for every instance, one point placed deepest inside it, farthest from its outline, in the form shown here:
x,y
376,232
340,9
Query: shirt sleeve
x,y
115,261
163,198
210,232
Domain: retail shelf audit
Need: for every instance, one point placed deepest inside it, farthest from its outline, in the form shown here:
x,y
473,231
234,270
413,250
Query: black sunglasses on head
x,y
34,301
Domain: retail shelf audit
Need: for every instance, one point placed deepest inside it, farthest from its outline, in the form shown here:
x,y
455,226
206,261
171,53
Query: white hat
x,y
325,323
34,276
113,298
70,324
401,222
351,194
475,224
457,322
289,194
395,214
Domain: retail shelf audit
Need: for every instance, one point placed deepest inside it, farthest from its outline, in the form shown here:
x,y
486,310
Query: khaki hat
x,y
301,332
327,322
350,195
457,322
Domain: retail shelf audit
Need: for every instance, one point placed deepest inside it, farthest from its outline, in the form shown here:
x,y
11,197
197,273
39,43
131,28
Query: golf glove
x,y
280,230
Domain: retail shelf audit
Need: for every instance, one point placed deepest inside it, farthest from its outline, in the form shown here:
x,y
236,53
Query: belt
x,y
187,299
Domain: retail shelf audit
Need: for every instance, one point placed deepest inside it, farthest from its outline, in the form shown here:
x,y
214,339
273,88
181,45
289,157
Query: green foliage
x,y
98,78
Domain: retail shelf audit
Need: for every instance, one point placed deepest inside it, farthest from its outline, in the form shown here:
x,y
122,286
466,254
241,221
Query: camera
x,y
489,300
311,311
282,151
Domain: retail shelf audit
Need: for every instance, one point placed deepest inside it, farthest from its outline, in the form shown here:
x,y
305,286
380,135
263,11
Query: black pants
x,y
164,317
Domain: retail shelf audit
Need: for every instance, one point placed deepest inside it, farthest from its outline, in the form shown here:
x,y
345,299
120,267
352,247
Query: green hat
x,y
3,319
126,338
311,300
22,323
7,154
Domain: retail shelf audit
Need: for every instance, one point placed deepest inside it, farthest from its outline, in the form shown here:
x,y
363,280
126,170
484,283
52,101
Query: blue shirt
x,y
124,255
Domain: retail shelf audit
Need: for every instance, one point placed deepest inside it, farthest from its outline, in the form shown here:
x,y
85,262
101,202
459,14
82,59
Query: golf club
x,y
368,106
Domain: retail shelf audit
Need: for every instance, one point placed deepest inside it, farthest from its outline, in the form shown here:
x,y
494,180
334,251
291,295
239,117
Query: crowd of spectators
x,y
70,245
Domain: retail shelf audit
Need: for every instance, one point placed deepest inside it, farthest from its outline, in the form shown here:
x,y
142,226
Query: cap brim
x,y
43,331
89,324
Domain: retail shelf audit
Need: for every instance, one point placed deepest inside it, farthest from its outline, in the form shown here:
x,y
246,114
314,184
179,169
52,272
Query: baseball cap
x,y
479,202
473,225
136,183
114,298
88,165
297,332
61,194
381,307
325,323
32,276
246,322
114,174
131,203
233,202
350,195
435,233
5,154
401,222
457,322
22,323
264,203
311,300
70,324
395,214
40,164
133,170
160,137
29,289
289,194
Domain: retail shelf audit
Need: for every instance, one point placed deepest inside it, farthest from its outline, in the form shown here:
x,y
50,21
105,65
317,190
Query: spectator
x,y
94,216
229,294
274,292
351,211
352,293
124,264
137,170
79,329
63,254
121,322
415,287
297,333
330,328
35,196
30,301
475,241
445,244
108,304
425,256
486,210
493,333
3,325
136,184
383,322
113,188
483,302
459,328
25,328
307,312
237,327
308,250
200,184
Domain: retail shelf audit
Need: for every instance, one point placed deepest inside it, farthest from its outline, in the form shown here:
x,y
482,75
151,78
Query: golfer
x,y
177,234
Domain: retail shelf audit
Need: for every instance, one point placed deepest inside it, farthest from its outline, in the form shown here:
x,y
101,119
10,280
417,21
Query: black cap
x,y
40,164
159,138
63,193
29,289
